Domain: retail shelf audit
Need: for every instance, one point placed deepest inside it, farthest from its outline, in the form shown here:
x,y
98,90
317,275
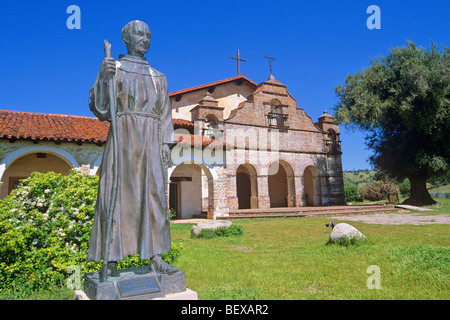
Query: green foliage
x,y
402,101
173,254
45,227
172,214
233,230
347,241
351,192
405,187
441,180
134,261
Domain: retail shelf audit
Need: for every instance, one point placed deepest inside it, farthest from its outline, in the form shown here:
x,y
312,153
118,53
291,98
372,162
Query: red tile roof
x,y
177,123
18,125
33,126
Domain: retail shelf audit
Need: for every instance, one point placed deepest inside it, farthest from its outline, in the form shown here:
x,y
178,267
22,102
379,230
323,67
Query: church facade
x,y
240,145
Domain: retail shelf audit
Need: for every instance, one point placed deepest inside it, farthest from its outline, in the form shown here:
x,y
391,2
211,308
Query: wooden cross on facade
x,y
238,61
270,61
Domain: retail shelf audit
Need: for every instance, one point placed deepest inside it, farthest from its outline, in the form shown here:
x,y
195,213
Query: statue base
x,y
134,284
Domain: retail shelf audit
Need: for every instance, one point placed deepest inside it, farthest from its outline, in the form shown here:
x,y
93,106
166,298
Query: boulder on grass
x,y
344,230
211,225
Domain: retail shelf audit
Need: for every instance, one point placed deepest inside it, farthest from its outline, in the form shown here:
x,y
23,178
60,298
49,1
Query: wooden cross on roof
x,y
270,61
238,60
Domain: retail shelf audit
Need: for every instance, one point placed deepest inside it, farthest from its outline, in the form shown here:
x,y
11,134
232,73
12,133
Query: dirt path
x,y
397,218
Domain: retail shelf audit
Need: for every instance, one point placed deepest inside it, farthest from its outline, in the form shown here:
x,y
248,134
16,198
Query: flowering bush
x,y
45,227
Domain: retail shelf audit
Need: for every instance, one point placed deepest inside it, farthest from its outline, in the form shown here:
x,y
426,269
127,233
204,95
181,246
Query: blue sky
x,y
48,68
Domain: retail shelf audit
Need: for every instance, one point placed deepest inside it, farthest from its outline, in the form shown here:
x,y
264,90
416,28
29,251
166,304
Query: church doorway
x,y
190,190
281,185
22,167
246,187
311,186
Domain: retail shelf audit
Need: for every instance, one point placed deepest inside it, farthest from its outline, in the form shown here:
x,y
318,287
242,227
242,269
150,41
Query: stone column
x,y
263,192
291,192
233,202
220,203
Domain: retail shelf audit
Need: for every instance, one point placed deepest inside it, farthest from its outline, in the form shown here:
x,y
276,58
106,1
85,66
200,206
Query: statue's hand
x,y
166,154
107,69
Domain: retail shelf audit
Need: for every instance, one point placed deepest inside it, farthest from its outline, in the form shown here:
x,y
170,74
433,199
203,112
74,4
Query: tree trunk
x,y
419,195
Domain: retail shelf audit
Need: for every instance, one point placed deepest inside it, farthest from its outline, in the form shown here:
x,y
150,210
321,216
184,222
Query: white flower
x,y
46,190
35,241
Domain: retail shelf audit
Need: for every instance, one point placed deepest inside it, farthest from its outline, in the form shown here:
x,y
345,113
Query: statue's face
x,y
139,39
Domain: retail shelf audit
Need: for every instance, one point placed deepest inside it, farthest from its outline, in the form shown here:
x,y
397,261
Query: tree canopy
x,y
402,102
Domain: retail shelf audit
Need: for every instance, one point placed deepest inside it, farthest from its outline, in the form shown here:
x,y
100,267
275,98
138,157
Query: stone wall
x,y
20,159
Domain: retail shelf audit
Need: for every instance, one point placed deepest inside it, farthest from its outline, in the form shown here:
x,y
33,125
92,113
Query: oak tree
x,y
402,103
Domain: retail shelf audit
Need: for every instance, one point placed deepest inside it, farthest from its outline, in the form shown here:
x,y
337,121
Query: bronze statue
x,y
132,186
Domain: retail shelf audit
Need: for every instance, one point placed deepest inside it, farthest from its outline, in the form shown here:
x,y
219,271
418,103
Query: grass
x,y
441,189
289,259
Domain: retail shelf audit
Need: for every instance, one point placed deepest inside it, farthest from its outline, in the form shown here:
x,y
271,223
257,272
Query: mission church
x,y
240,145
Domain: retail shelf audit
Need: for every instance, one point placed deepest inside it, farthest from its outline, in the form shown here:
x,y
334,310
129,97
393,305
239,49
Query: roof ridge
x,y
215,83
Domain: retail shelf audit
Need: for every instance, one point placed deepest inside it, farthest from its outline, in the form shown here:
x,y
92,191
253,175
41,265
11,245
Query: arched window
x,y
277,118
212,127
332,142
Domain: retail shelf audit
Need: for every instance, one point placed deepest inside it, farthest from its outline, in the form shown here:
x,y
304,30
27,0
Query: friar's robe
x,y
144,122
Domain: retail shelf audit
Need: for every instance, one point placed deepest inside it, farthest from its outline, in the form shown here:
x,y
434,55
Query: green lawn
x,y
289,259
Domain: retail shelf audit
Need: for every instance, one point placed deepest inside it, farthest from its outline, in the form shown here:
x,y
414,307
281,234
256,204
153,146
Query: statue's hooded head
x,y
136,36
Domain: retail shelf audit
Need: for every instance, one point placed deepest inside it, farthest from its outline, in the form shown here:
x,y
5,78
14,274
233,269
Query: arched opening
x,y
246,187
311,184
332,142
278,188
212,127
243,190
281,185
23,166
190,190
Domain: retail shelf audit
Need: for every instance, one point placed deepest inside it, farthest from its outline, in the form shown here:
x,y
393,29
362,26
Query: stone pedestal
x,y
185,295
135,284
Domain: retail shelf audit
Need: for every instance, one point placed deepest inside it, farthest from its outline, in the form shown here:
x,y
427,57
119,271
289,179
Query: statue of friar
x,y
144,130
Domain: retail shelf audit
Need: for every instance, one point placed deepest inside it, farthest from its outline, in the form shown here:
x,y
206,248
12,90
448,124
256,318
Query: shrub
x,y
351,192
405,187
233,230
346,241
378,190
45,227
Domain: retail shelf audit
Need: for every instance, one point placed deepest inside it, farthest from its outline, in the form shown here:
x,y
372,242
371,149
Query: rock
x,y
211,224
342,230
